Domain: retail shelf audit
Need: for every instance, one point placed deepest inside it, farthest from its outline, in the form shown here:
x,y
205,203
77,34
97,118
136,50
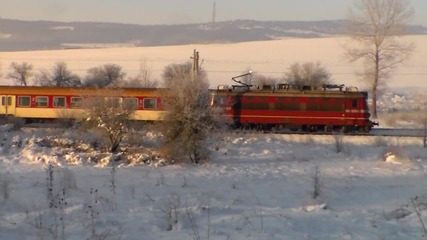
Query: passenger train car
x,y
43,103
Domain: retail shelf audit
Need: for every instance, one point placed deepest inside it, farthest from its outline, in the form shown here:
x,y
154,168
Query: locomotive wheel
x,y
364,129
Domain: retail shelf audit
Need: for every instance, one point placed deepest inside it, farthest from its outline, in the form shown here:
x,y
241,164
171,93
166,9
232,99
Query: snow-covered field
x,y
223,61
253,187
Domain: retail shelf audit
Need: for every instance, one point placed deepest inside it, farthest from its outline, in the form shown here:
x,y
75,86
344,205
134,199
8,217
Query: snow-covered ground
x,y
254,186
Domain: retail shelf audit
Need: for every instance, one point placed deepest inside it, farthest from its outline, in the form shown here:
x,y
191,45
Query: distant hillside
x,y
17,35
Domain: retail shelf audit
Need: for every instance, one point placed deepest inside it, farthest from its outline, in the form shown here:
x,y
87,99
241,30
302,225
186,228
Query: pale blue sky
x,y
183,11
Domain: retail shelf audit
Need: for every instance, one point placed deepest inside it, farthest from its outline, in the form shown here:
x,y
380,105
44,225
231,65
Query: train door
x,y
7,105
352,109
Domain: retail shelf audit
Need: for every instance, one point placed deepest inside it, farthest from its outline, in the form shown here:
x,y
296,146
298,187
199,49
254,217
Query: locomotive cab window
x,y
150,103
59,102
24,101
355,103
41,102
76,102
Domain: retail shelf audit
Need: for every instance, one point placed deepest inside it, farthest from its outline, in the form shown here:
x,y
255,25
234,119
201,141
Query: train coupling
x,y
373,123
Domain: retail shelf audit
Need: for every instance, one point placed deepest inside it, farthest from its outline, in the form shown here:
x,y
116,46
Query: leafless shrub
x,y
110,233
419,218
106,113
316,181
38,219
113,187
132,191
67,180
193,223
184,183
171,210
5,185
92,211
339,142
160,180
58,207
49,182
189,119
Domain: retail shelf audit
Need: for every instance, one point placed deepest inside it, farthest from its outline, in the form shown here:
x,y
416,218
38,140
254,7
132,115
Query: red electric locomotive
x,y
282,106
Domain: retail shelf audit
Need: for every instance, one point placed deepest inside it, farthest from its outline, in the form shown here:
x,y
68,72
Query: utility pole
x,y
195,72
214,12
425,125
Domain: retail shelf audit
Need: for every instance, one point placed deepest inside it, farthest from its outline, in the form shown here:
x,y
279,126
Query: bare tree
x,y
420,114
110,75
139,82
142,80
110,114
375,26
188,119
59,76
307,74
260,80
174,72
20,73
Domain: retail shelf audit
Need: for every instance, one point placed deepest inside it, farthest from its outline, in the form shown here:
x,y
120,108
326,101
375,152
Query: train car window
x,y
3,100
255,106
76,102
264,99
42,102
130,103
150,103
355,103
113,102
218,100
59,102
24,101
9,101
222,100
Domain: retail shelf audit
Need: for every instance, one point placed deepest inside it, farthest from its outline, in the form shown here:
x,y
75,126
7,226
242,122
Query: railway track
x,y
391,132
385,132
398,132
